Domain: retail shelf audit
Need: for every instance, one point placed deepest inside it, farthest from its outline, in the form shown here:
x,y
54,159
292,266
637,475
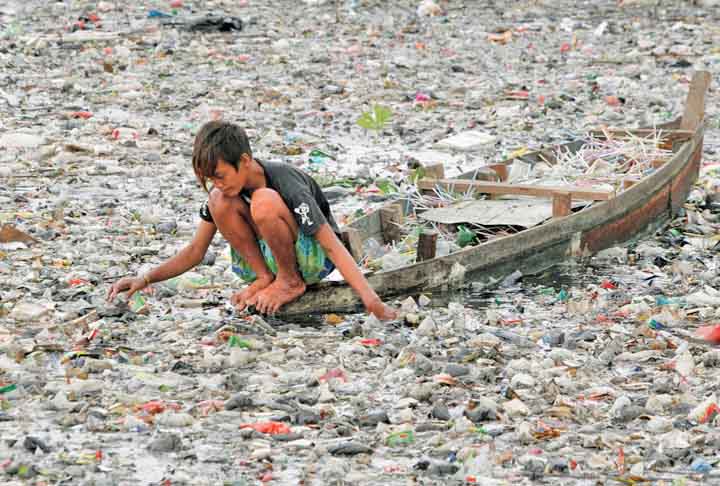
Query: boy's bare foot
x,y
241,299
277,294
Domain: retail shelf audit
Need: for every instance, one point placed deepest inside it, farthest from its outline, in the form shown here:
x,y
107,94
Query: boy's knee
x,y
266,204
221,205
217,202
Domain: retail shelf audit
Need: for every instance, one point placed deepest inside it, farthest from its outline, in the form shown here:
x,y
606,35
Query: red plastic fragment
x,y
334,373
710,334
272,428
370,342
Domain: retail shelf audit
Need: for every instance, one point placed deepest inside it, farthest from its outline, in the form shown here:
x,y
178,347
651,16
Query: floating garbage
x,y
603,369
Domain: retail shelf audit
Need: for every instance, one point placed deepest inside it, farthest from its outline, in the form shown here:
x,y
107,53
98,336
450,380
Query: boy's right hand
x,y
381,310
131,284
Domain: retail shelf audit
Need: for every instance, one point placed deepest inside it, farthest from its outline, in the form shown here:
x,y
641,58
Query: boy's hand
x,y
381,310
131,284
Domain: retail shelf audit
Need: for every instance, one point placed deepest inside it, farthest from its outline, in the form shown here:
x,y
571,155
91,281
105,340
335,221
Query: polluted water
x,y
599,371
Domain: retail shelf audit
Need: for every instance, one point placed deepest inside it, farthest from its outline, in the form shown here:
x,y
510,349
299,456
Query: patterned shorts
x,y
313,264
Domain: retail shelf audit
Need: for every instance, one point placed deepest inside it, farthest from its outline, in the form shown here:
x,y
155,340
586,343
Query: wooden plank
x,y
435,171
483,173
427,245
695,104
628,183
369,226
391,217
353,242
668,135
460,185
500,169
562,204
523,212
657,163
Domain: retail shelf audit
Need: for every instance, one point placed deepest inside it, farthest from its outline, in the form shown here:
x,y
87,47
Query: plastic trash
x,y
271,428
399,439
589,370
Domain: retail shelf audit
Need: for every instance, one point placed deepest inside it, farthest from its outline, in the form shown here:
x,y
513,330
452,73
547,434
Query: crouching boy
x,y
278,223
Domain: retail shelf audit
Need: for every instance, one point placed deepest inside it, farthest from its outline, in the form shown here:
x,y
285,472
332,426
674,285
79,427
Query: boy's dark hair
x,y
218,140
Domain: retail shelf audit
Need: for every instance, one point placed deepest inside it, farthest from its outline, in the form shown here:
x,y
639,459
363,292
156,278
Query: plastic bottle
x,y
373,249
392,260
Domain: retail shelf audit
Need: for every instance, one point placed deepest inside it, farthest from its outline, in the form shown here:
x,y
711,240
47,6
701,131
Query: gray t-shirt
x,y
301,193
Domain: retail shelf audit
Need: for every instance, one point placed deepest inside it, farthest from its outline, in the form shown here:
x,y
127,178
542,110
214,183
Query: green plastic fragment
x,y
405,437
386,186
465,237
236,342
8,388
137,302
318,157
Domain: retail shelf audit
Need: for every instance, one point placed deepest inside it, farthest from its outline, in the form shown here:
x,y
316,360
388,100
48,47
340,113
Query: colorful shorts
x,y
313,264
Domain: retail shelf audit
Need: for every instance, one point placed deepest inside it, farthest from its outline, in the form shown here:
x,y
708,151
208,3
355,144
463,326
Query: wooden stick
x,y
562,204
427,245
391,217
91,316
461,185
695,104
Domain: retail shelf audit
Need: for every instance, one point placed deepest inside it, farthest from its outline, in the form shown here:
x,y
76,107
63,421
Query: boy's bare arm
x,y
344,262
181,262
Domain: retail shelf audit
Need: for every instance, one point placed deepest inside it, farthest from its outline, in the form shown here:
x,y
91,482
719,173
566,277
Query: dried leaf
x,y
9,234
334,319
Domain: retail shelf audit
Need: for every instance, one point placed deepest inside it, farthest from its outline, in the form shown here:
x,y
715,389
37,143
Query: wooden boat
x,y
643,206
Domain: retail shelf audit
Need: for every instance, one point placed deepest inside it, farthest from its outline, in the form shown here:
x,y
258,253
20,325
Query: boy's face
x,y
227,179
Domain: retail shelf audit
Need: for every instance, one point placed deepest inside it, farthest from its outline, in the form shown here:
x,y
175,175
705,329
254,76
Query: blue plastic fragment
x,y
699,465
155,14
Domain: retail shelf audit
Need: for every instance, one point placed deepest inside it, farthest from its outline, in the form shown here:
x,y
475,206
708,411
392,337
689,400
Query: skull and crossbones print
x,y
303,211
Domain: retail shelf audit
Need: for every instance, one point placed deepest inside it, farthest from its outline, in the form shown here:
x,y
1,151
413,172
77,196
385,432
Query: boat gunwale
x,y
435,273
589,218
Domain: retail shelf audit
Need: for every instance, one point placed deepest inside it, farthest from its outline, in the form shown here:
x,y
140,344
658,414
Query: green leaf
x,y
376,118
366,121
386,186
382,115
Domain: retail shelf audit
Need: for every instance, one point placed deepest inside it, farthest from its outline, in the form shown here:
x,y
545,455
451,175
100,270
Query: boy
x,y
276,219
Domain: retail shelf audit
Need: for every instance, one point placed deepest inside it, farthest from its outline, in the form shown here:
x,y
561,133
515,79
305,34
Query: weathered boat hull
x,y
634,212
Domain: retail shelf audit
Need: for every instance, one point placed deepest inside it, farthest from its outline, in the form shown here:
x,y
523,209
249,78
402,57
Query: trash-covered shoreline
x,y
604,375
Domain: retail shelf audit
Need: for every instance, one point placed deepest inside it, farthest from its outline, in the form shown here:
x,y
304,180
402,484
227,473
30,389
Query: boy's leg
x,y
279,229
232,217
